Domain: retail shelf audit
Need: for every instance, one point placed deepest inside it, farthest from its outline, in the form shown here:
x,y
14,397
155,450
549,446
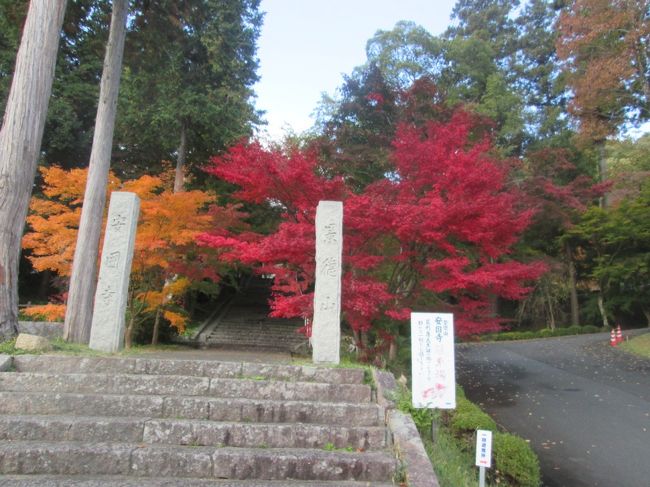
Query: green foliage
x,y
515,461
190,63
70,123
422,417
9,348
468,417
452,453
453,465
12,13
69,348
199,84
357,135
404,54
544,333
58,345
615,247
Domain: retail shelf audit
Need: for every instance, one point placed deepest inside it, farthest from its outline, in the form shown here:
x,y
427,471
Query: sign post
x,y
483,454
432,360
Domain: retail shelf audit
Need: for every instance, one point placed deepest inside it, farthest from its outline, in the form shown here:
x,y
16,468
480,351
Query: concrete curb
x,y
408,444
410,449
6,361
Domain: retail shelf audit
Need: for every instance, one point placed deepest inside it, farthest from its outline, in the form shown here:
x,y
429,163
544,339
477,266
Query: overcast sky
x,y
307,45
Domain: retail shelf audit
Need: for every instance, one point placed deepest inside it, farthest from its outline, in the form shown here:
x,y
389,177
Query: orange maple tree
x,y
166,261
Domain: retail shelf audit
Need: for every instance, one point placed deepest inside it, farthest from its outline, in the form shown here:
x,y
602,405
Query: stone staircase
x,y
244,323
105,421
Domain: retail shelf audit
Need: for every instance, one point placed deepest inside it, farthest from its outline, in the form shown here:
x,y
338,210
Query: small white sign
x,y
483,448
432,360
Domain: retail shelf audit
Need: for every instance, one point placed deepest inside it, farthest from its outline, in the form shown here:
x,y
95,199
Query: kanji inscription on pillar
x,y
107,332
326,330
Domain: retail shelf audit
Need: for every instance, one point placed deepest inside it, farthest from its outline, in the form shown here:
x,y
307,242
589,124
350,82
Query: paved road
x,y
584,407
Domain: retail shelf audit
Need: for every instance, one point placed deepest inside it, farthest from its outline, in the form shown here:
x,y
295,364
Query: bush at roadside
x,y
514,462
545,333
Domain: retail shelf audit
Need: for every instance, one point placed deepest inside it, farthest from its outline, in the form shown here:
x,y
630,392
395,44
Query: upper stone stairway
x,y
104,421
244,323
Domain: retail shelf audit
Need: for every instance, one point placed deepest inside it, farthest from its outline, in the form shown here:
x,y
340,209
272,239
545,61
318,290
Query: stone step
x,y
197,407
189,432
260,335
120,481
185,386
61,364
245,309
77,458
259,328
256,327
254,319
256,341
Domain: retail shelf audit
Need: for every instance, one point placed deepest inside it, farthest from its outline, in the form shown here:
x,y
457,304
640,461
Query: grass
x,y
453,466
638,346
140,349
59,345
8,347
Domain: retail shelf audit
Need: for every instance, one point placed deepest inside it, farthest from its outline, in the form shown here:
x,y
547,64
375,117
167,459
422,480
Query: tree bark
x,y
602,169
156,327
179,176
601,308
392,349
128,334
20,142
83,280
551,313
573,292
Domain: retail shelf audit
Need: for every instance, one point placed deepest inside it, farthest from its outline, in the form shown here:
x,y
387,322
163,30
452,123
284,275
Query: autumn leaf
x,y
445,223
46,312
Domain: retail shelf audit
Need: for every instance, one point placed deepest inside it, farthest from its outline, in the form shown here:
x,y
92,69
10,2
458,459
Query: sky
x,y
306,46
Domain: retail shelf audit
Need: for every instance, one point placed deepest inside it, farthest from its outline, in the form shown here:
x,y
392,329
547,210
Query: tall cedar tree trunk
x,y
575,308
179,176
83,280
179,185
20,143
601,308
602,170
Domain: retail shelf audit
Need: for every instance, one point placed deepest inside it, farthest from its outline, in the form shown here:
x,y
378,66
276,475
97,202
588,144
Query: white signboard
x,y
432,360
483,448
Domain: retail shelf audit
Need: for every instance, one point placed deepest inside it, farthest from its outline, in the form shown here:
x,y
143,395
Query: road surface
x,y
584,407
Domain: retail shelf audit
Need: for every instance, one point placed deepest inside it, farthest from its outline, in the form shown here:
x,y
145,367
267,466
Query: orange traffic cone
x,y
612,338
619,334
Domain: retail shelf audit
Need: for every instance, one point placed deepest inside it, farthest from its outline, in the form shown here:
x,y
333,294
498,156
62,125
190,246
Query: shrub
x,y
591,329
515,461
468,417
515,464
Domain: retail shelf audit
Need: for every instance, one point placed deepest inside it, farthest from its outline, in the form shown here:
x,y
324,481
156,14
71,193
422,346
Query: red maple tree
x,y
434,234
